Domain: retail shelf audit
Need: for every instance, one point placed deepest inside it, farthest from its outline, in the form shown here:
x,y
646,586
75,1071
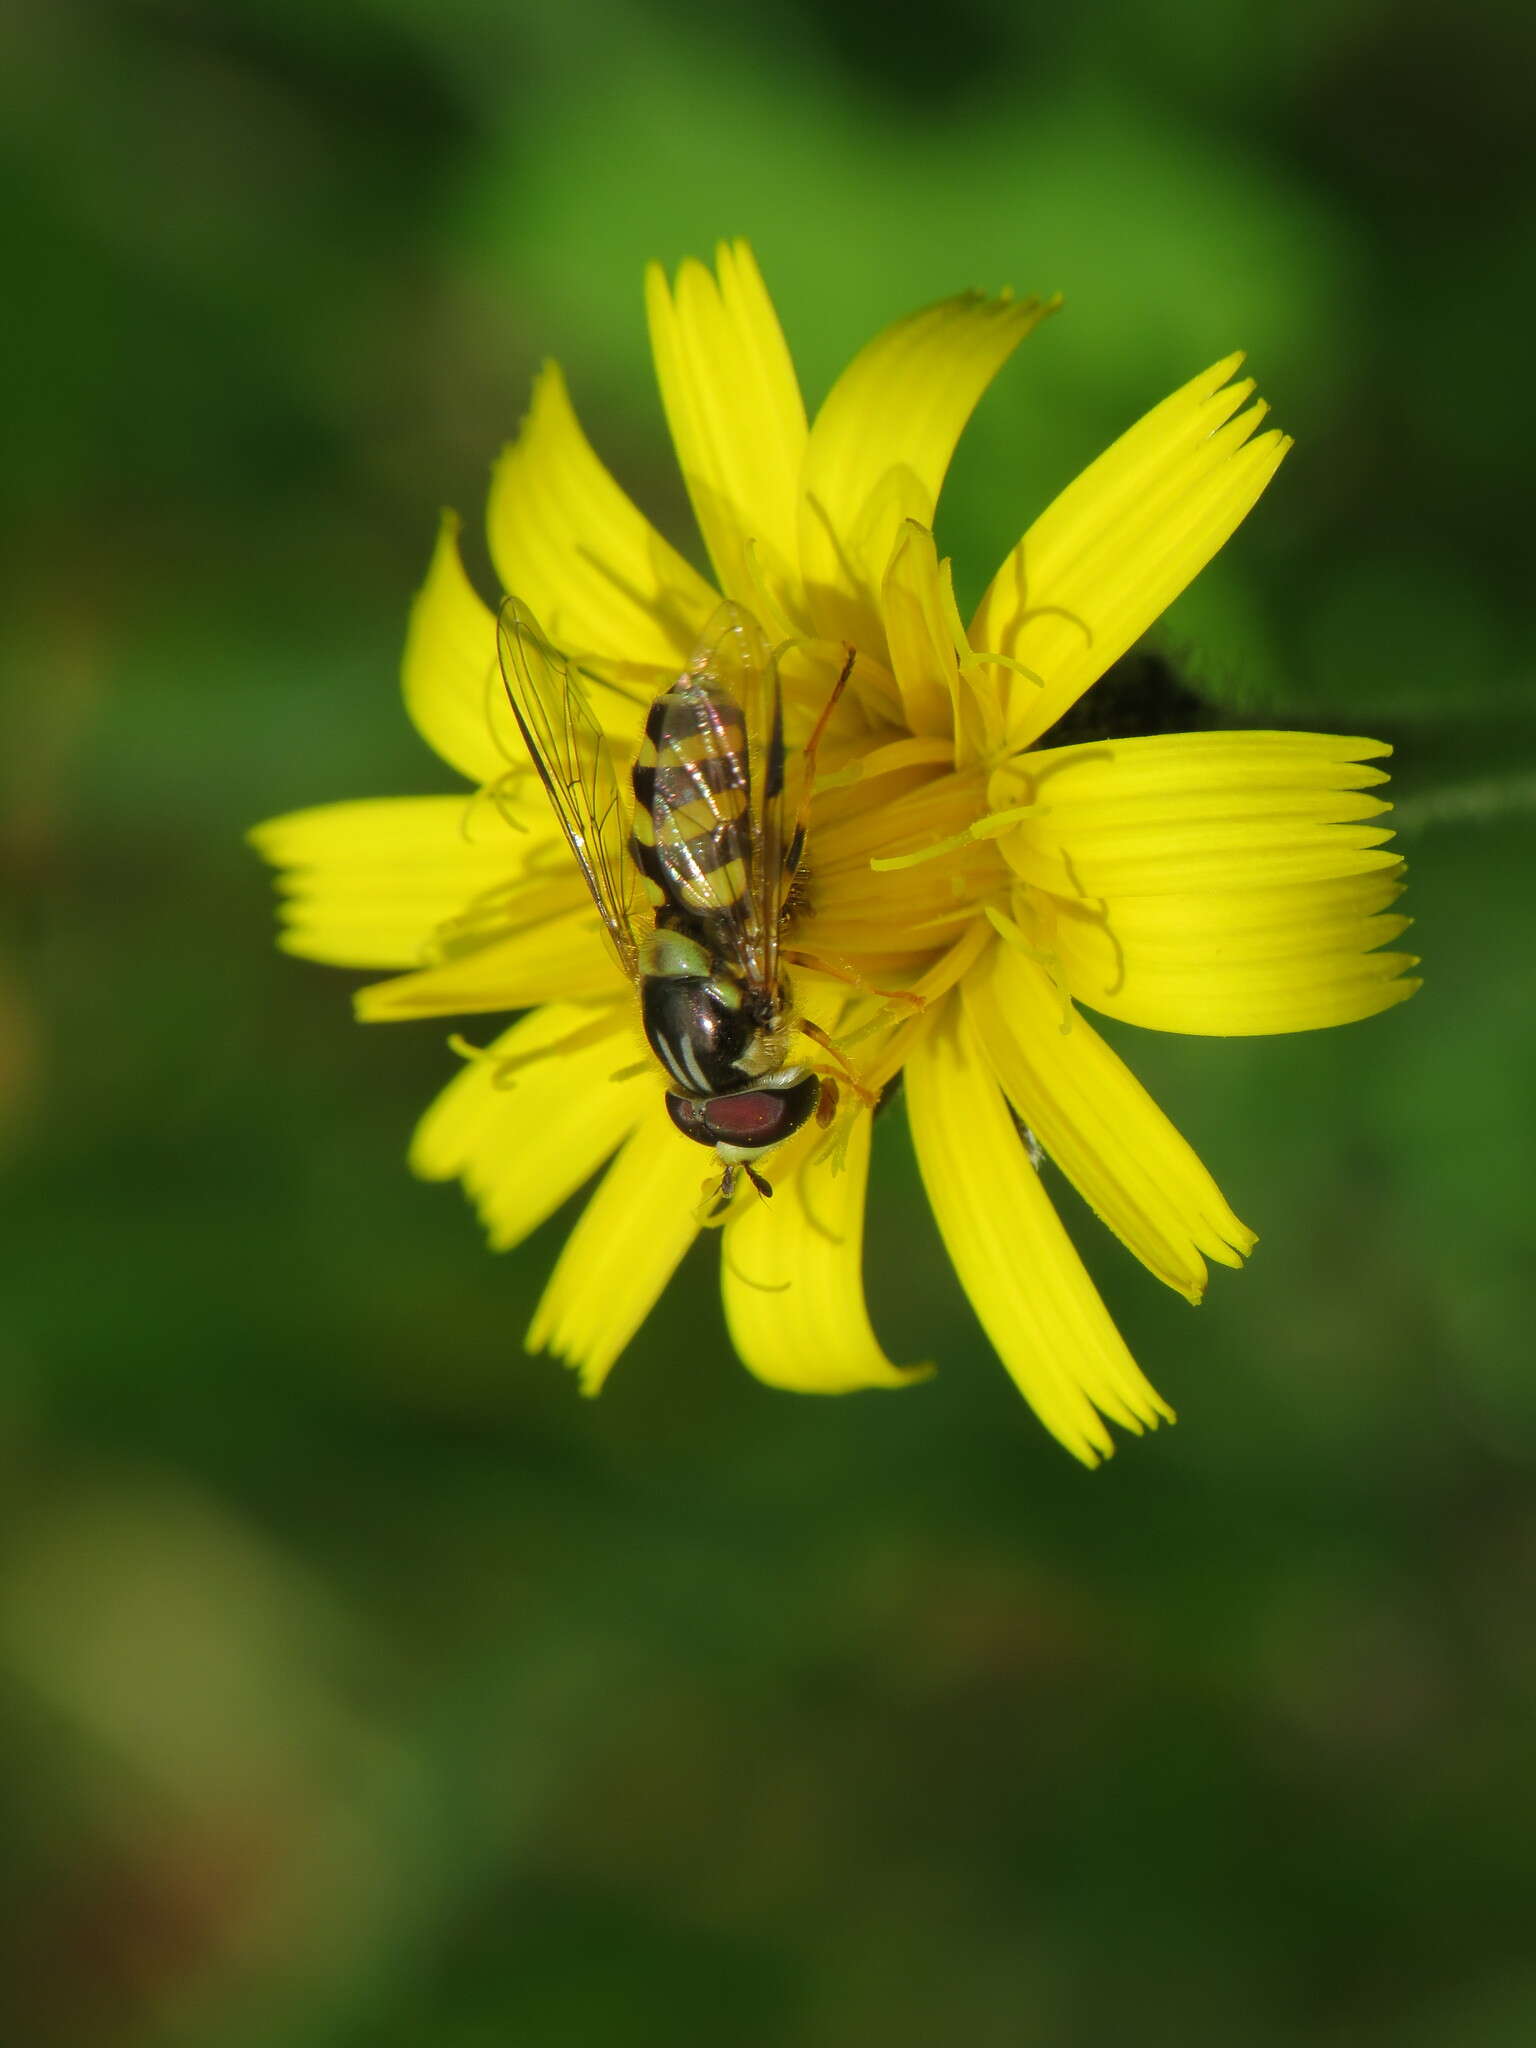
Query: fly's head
x,y
744,1126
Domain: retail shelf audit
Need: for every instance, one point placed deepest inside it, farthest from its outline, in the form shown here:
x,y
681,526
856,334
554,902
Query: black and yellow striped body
x,y
713,1030
712,850
691,831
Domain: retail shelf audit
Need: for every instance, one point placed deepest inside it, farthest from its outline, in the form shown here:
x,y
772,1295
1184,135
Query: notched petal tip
x,y
569,540
1027,1284
882,441
1117,546
547,393
1095,1452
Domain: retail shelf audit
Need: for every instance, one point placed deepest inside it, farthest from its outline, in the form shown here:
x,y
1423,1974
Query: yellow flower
x,y
1213,883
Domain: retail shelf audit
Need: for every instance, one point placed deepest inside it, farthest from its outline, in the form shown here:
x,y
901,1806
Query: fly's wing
x,y
569,749
735,671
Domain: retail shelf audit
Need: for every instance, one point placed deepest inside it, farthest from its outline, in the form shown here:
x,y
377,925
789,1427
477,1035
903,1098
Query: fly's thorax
x,y
711,1032
744,1125
668,954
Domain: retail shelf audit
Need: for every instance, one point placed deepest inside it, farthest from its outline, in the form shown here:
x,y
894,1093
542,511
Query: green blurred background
x,y
358,1682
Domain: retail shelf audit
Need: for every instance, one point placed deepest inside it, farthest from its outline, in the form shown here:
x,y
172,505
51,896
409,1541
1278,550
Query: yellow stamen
x,y
916,752
993,826
508,1065
834,1150
1006,929
762,1286
494,688
499,794
940,978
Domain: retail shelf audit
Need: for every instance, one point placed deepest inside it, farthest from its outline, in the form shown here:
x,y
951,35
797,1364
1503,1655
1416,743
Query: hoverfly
x,y
692,874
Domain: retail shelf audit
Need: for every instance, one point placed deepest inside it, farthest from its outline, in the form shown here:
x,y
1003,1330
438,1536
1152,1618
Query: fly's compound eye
x,y
688,1116
760,1118
755,1120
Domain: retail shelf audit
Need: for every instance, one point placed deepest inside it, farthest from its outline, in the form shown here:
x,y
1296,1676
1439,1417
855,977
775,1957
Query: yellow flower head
x,y
964,890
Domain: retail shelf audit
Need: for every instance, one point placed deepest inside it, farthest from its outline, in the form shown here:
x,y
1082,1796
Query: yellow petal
x,y
1195,812
1014,1259
1231,963
737,418
371,884
793,1283
526,1123
881,445
924,659
560,956
625,1248
1114,550
1100,1125
572,545
450,675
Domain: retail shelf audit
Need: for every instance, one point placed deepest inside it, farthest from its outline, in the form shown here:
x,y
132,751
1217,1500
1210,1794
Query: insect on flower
x,y
1005,863
692,877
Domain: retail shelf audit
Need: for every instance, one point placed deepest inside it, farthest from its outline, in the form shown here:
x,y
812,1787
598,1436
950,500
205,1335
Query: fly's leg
x,y
716,1202
808,759
838,970
718,1195
830,1047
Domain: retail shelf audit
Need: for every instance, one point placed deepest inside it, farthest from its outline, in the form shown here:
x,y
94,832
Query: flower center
x,y
889,923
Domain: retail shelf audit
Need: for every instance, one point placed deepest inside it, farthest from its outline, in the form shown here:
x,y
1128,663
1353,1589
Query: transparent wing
x,y
569,749
735,674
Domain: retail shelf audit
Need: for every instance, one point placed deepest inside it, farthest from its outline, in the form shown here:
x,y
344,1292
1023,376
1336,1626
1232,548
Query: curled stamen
x,y
497,793
493,681
962,909
508,1066
1056,611
879,1021
914,752
835,1142
993,826
949,605
762,1286
502,911
984,658
947,970
833,1148
1013,934
977,713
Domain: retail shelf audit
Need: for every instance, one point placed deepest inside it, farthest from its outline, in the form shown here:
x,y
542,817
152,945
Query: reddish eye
x,y
753,1121
761,1116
